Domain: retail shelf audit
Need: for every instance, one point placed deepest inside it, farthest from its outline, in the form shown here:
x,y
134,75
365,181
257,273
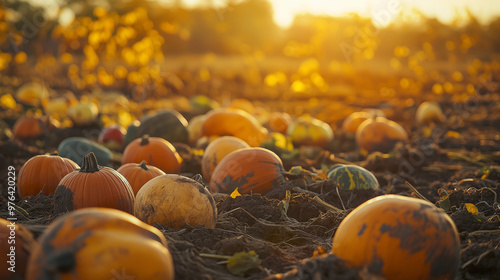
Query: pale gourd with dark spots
x,y
399,237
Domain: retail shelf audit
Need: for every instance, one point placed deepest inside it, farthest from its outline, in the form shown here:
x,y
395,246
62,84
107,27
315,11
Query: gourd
x,y
399,237
251,170
175,201
93,186
75,148
100,243
43,173
351,177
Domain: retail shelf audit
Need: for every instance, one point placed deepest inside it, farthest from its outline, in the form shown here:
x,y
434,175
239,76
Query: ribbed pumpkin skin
x,y
100,243
234,122
352,177
175,201
155,151
103,188
217,150
23,246
400,238
43,170
139,174
251,170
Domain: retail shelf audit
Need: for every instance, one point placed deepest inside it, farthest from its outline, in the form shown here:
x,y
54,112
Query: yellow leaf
x,y
235,193
472,208
453,134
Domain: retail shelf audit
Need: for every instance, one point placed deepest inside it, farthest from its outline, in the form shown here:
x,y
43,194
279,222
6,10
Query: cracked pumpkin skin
x,y
174,201
100,243
399,238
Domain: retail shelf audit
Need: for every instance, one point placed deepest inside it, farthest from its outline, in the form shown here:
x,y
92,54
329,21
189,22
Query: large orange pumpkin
x,y
175,201
138,174
399,238
43,172
100,243
234,122
16,243
93,186
380,134
251,170
155,151
217,150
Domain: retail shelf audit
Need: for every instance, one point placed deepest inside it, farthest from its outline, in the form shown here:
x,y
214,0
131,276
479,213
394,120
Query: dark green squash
x,y
75,148
352,177
167,124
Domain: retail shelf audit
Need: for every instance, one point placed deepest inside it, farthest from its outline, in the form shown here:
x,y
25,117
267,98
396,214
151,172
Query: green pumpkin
x,y
131,132
352,177
167,124
75,148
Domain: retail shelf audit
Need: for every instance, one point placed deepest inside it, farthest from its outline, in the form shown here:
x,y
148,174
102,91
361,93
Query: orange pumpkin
x,y
100,243
217,150
155,151
309,131
43,172
352,122
380,134
174,200
138,174
28,128
251,170
279,122
93,186
399,238
234,122
16,244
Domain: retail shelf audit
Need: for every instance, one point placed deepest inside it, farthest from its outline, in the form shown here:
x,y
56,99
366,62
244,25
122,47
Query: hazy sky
x,y
444,10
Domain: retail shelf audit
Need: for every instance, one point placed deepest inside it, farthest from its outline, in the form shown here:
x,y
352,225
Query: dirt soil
x,y
291,244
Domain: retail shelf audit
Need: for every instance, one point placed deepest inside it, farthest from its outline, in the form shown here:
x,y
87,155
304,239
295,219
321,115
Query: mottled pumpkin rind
x,y
98,243
400,238
175,201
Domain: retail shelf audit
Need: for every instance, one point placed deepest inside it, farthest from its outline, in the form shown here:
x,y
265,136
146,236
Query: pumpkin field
x,y
149,141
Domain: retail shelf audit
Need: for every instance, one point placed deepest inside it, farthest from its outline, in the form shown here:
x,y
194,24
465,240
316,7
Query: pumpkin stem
x,y
143,165
145,140
89,164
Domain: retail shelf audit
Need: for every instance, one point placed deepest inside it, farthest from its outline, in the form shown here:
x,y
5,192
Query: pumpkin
x,y
352,177
242,104
217,150
32,93
131,132
175,201
309,131
112,137
399,238
155,151
168,124
194,128
75,148
234,122
279,122
251,170
29,127
93,186
138,174
16,244
83,113
429,112
43,173
352,122
380,134
100,243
